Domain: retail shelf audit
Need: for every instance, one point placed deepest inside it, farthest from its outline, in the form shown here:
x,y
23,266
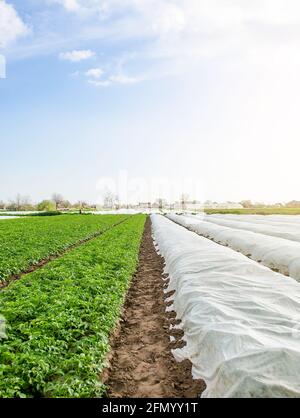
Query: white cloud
x,y
98,83
94,73
116,79
11,25
70,5
77,55
89,7
123,79
175,36
189,19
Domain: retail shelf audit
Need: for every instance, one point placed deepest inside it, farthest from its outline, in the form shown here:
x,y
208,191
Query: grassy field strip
x,y
60,317
26,242
255,211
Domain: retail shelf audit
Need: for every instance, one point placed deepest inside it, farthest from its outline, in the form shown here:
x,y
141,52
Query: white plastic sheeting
x,y
265,218
286,231
116,212
241,321
277,220
24,212
276,253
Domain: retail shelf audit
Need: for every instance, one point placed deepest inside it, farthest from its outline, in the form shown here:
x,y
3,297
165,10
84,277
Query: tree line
x,y
249,204
55,203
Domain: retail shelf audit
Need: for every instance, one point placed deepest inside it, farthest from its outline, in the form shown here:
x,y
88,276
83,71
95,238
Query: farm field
x,y
59,318
25,242
149,204
152,306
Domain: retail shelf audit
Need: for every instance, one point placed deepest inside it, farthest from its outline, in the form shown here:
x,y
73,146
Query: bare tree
x,y
246,203
26,202
57,199
117,202
184,199
108,199
293,204
66,204
81,204
161,203
20,203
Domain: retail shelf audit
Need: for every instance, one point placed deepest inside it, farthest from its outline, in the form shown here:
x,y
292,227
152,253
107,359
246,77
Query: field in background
x,y
25,242
255,211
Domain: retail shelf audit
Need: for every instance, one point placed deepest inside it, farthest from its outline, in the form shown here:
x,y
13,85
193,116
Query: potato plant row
x,y
25,242
60,317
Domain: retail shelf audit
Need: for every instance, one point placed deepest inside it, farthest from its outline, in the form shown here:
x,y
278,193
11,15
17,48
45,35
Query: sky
x,y
150,98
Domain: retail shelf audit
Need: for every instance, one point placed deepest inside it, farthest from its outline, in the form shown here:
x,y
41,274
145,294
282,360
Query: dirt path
x,y
142,364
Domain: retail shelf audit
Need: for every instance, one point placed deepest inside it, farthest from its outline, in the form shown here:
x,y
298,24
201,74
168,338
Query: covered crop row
x,y
240,319
276,253
264,219
286,231
60,317
27,241
276,220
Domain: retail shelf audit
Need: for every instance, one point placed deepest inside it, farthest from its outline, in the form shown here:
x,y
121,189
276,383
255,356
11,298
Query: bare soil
x,y
141,361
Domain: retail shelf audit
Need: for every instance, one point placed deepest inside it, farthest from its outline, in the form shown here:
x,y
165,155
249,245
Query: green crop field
x,y
25,242
60,317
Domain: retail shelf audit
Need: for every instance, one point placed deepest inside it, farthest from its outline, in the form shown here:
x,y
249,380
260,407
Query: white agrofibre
x,y
283,230
241,321
276,220
278,254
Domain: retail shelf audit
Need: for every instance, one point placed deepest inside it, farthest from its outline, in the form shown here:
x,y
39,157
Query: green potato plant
x,y
25,242
59,318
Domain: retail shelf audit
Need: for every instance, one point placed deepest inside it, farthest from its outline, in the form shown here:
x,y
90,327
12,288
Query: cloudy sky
x,y
154,91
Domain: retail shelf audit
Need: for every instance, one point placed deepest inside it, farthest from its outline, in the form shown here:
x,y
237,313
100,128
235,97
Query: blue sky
x,y
202,90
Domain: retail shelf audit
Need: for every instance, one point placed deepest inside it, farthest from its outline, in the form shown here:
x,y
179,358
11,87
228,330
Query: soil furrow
x,y
141,361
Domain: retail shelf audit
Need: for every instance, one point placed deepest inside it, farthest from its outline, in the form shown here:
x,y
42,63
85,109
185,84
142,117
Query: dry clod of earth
x,y
141,363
